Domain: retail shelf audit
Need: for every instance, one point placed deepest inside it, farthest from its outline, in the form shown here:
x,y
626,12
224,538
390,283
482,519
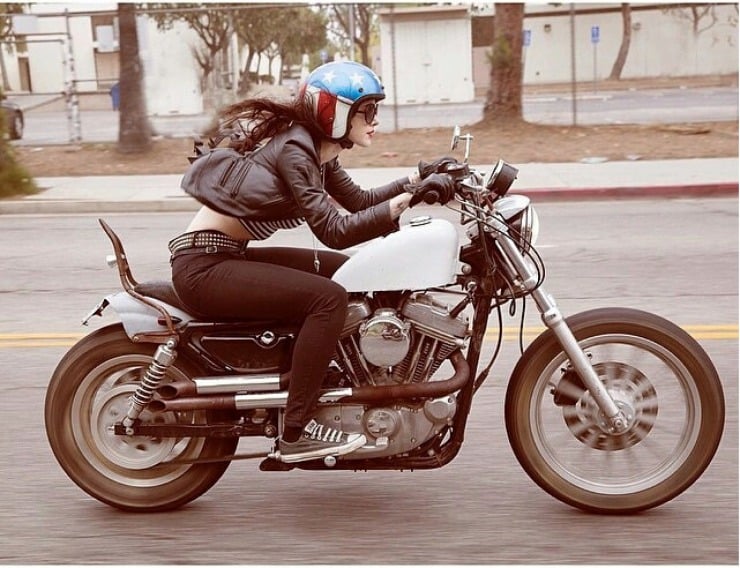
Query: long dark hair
x,y
253,120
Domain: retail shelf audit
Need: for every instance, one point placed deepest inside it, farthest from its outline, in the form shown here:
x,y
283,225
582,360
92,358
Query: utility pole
x,y
394,75
70,89
351,25
573,60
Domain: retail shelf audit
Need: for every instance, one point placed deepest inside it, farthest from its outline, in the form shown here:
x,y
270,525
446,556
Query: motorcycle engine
x,y
388,347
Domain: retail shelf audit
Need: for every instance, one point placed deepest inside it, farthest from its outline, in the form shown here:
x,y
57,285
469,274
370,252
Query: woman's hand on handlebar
x,y
435,188
438,166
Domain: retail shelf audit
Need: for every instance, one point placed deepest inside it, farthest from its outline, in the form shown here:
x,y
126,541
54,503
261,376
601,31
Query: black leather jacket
x,y
291,183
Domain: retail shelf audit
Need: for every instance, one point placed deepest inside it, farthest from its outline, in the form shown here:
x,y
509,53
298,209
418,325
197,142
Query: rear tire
x,y
88,394
656,373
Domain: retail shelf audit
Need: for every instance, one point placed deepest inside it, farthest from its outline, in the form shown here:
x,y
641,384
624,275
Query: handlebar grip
x,y
431,197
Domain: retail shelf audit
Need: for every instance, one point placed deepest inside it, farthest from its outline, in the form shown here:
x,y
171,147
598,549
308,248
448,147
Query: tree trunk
x,y
4,71
134,133
624,49
504,98
245,80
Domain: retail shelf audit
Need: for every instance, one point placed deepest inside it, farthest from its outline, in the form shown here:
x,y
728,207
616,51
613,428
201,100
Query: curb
x,y
53,207
727,189
31,206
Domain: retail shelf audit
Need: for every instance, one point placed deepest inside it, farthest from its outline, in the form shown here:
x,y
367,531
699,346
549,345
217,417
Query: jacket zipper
x,y
227,173
242,174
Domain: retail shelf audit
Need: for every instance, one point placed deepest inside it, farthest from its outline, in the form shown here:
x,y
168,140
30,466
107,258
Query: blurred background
x,y
189,59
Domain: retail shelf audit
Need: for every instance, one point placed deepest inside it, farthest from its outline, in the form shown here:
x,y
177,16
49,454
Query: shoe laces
x,y
316,431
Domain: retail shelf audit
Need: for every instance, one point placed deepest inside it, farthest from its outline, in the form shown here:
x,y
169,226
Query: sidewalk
x,y
716,177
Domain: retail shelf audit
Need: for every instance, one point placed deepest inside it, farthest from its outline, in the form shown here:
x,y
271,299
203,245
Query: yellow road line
x,y
40,339
698,332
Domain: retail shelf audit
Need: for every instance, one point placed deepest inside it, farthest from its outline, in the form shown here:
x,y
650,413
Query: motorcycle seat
x,y
164,291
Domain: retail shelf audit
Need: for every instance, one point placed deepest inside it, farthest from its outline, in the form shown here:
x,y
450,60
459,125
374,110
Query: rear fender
x,y
139,319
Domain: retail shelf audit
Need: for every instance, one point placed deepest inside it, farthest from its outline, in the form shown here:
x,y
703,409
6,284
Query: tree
x,y
288,30
7,35
212,23
356,22
256,30
702,17
504,97
304,32
134,133
624,48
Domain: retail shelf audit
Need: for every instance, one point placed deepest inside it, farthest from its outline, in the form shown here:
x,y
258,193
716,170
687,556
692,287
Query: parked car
x,y
14,120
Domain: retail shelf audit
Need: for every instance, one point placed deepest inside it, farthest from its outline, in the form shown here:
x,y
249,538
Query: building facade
x,y
432,54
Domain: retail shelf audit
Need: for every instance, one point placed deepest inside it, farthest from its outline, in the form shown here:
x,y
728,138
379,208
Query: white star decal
x,y
356,80
329,76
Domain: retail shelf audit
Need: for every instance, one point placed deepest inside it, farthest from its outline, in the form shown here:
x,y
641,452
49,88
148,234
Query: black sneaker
x,y
318,441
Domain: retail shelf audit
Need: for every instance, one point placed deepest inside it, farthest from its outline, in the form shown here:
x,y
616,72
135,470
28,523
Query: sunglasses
x,y
369,112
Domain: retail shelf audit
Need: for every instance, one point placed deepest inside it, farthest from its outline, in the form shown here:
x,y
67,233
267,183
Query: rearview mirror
x,y
456,137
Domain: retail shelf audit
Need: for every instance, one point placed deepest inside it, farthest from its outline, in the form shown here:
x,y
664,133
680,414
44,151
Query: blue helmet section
x,y
335,90
347,80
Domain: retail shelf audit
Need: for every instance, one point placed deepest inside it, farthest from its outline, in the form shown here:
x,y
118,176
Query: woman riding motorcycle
x,y
298,144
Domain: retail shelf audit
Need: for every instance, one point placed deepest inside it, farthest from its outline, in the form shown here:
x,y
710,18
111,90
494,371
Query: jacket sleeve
x,y
302,177
351,196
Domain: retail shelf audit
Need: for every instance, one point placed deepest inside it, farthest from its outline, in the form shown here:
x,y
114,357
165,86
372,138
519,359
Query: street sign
x,y
595,32
526,38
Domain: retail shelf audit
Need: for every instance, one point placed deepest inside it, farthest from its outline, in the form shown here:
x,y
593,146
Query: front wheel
x,y
661,379
89,393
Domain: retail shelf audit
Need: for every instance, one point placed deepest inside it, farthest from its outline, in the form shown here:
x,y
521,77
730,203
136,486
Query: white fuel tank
x,y
421,255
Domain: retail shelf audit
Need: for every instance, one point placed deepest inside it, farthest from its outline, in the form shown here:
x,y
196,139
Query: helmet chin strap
x,y
346,143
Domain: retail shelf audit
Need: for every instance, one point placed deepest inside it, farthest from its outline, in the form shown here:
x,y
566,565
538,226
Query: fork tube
x,y
554,320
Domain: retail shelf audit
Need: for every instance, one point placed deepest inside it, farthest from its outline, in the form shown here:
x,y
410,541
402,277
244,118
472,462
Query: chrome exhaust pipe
x,y
238,401
431,389
278,398
222,385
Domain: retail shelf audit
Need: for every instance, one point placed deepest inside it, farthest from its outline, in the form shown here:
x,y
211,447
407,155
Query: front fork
x,y
554,320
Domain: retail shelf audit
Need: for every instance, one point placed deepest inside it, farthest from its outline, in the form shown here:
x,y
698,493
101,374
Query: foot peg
x,y
273,463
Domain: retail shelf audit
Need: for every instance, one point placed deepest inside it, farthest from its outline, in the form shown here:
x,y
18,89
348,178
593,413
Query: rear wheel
x,y
659,377
89,393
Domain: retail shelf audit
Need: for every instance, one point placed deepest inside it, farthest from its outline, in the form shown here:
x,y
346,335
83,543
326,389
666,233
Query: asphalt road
x,y
645,106
678,258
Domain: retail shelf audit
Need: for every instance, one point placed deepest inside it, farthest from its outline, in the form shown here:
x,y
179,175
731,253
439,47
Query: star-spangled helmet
x,y
335,90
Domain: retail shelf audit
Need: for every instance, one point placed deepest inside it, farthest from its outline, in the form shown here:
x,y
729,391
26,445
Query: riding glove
x,y
438,166
436,188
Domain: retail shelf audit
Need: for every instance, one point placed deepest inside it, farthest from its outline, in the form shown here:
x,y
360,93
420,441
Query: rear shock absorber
x,y
163,357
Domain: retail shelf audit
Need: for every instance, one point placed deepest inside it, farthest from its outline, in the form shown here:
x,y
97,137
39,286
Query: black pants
x,y
279,284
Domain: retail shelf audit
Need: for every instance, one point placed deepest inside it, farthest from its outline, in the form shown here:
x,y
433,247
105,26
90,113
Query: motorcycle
x,y
611,410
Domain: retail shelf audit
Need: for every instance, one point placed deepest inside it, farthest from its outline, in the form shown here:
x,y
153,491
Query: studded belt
x,y
209,242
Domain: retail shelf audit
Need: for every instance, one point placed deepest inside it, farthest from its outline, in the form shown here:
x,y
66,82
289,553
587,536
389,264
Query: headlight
x,y
529,228
521,218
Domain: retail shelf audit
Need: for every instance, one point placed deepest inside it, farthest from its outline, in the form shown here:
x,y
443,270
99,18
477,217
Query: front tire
x,y
88,394
658,375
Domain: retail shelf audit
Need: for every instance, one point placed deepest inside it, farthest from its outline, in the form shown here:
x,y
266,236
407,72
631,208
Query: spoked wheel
x,y
662,381
89,394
